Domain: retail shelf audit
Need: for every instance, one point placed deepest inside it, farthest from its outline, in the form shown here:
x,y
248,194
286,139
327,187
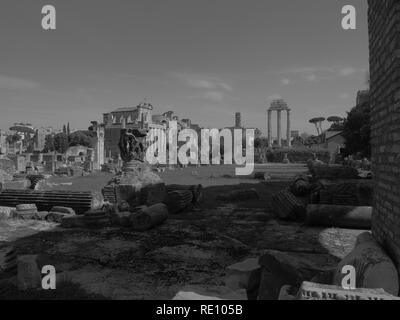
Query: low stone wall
x,y
297,155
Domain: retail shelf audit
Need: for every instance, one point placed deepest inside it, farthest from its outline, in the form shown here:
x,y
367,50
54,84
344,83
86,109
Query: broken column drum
x,y
339,216
45,200
179,200
149,217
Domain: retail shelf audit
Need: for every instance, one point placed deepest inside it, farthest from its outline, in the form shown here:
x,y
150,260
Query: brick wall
x,y
384,34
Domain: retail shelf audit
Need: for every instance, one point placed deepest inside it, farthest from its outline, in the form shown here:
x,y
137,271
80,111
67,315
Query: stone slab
x,y
315,291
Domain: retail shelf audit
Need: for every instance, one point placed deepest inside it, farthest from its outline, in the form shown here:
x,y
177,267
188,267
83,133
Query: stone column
x,y
269,128
279,124
288,133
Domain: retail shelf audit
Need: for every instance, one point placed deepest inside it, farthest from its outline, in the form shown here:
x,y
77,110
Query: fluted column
x,y
269,128
279,125
288,133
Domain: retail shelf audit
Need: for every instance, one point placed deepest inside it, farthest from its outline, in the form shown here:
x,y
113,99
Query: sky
x,y
203,59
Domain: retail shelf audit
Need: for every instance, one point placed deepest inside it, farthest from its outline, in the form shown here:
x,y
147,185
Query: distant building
x,y
139,117
238,125
334,142
362,97
238,120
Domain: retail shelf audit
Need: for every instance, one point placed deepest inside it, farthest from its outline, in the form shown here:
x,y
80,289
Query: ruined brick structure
x,y
384,34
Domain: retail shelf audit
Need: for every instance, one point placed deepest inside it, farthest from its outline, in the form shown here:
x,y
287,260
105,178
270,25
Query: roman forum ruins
x,y
279,106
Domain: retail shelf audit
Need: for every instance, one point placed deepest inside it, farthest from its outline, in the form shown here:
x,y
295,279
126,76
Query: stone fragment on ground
x,y
57,214
149,217
288,207
42,215
374,268
350,217
73,222
6,212
179,200
56,217
238,274
301,185
96,218
124,206
25,215
29,276
25,212
8,261
209,293
122,218
66,210
285,268
188,295
25,207
315,291
286,293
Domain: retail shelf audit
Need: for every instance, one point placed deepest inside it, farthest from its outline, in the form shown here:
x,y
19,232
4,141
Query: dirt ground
x,y
189,252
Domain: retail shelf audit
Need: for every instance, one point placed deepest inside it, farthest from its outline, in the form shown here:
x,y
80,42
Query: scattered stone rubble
x,y
331,196
278,275
137,198
341,202
57,214
28,275
25,212
374,269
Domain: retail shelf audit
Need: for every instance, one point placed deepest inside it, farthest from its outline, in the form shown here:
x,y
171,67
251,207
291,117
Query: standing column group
x,y
279,127
269,128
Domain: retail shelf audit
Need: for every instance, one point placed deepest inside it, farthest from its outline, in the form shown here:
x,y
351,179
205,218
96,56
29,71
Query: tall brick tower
x,y
238,120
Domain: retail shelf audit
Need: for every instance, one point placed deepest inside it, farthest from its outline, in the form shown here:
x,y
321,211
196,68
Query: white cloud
x,y
215,96
311,77
227,87
197,81
348,71
318,73
12,83
213,89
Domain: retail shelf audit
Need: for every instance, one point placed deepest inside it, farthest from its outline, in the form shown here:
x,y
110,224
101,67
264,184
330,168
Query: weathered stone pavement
x,y
192,249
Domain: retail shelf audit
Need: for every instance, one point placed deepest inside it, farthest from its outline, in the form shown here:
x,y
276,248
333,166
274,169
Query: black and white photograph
x,y
205,154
